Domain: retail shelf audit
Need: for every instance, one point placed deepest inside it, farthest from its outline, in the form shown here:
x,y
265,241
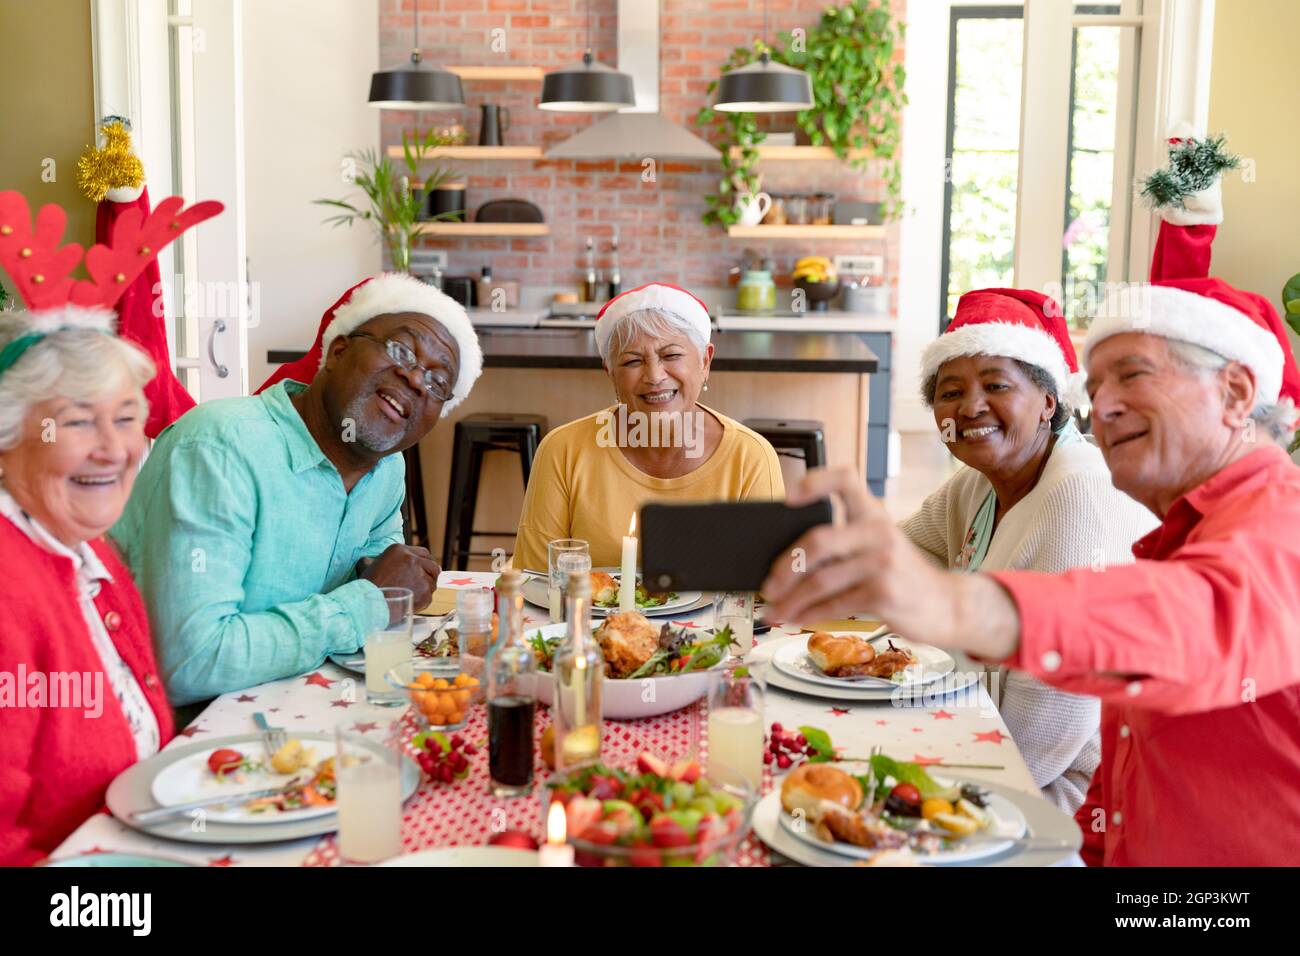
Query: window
x,y
983,146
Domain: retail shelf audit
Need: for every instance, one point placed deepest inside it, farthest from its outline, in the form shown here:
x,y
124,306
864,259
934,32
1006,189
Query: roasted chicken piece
x,y
846,826
627,641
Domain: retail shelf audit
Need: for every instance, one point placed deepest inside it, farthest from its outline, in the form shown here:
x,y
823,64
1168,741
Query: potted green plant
x,y
1291,312
393,205
857,97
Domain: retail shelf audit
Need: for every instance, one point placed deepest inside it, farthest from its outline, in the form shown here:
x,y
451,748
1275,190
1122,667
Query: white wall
x,y
307,66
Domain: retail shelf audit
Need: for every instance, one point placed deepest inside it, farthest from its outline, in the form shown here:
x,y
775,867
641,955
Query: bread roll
x,y
835,653
805,787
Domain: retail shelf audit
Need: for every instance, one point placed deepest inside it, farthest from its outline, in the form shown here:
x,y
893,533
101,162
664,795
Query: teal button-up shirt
x,y
244,545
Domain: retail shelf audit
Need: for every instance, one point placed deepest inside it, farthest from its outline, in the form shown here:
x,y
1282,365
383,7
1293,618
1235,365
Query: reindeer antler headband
x,y
40,268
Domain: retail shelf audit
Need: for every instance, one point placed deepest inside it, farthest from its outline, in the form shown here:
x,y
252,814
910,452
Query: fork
x,y
273,738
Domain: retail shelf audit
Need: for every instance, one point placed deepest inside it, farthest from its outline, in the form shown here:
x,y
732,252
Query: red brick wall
x,y
660,232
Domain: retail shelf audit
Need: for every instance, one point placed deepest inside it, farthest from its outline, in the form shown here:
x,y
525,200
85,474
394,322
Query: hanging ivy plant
x,y
857,100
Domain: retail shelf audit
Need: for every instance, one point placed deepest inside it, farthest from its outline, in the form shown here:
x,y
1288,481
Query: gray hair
x,y
653,322
1277,420
1036,374
84,365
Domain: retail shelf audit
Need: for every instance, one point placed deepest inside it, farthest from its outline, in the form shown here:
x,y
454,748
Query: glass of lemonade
x,y
735,609
369,798
389,646
557,572
736,700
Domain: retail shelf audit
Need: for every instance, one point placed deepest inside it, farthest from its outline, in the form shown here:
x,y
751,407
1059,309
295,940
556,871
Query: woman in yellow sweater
x,y
656,443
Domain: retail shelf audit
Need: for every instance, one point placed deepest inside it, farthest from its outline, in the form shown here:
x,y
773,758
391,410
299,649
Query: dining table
x,y
962,729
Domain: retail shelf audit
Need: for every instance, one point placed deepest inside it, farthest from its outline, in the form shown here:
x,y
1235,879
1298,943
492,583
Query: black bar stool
x,y
476,435
793,437
415,519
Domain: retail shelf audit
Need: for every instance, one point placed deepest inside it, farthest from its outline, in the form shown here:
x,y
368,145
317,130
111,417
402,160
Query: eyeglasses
x,y
435,383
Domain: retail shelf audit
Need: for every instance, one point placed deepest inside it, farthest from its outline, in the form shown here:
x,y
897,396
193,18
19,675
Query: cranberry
x,y
457,741
776,729
767,757
783,762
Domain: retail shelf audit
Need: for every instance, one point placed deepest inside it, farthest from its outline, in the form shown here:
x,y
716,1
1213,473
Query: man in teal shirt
x,y
261,529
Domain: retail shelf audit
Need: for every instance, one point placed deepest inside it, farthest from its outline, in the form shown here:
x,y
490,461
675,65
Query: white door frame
x,y
131,44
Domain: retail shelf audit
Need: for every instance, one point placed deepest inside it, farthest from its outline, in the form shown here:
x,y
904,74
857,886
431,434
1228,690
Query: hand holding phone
x,y
720,546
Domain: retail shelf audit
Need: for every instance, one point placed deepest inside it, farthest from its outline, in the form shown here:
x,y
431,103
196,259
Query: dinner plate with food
x,y
852,659
301,772
863,810
650,668
132,799
425,634
604,595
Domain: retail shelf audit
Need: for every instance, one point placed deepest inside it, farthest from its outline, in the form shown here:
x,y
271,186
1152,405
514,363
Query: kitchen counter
x,y
575,348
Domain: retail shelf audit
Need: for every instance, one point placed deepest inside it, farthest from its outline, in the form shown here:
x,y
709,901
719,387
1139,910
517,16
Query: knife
x,y
162,813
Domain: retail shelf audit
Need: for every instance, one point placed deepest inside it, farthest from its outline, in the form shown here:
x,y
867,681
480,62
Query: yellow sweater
x,y
580,488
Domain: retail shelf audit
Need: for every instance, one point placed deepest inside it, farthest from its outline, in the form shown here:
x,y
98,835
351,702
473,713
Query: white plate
x,y
932,664
633,699
1044,821
1008,821
421,628
129,794
190,779
496,856
537,594
869,693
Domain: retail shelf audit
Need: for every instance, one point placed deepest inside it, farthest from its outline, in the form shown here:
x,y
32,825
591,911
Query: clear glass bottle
x,y
511,693
589,278
579,671
615,274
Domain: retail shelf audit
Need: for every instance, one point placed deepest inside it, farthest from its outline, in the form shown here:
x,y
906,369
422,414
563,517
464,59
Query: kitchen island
x,y
557,372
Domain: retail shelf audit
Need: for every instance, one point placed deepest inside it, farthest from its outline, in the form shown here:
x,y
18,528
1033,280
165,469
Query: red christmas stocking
x,y
1182,252
168,399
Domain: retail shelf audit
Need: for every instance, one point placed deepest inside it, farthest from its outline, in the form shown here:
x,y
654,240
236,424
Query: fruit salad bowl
x,y
660,815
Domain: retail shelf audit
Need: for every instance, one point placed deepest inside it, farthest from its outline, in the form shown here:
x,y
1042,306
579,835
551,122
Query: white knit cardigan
x,y
1074,517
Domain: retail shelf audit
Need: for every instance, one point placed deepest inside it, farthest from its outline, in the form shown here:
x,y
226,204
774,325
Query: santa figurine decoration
x,y
113,176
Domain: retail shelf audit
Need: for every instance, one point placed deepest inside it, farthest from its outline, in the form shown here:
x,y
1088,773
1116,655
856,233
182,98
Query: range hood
x,y
640,130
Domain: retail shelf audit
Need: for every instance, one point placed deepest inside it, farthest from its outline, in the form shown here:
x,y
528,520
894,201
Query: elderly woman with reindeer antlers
x,y
78,683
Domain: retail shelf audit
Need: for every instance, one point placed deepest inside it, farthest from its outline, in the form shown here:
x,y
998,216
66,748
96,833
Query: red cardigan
x,y
56,762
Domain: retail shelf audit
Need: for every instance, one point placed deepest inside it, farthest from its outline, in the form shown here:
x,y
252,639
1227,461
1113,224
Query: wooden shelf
x,y
806,232
497,73
807,154
472,229
475,152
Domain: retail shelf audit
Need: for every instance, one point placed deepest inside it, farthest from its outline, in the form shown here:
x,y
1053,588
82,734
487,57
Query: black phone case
x,y
720,546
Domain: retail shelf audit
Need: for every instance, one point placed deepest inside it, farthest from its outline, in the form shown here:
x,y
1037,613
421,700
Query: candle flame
x,y
556,824
631,527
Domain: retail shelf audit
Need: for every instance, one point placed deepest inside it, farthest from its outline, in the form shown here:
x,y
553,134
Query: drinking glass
x,y
368,776
736,700
389,646
735,609
558,575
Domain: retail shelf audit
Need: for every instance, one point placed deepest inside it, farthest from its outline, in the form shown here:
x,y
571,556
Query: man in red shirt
x,y
1194,649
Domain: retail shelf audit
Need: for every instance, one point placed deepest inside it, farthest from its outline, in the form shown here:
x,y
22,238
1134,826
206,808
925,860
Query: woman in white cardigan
x,y
1035,495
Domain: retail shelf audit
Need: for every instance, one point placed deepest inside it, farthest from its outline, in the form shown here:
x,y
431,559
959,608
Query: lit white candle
x,y
627,584
555,852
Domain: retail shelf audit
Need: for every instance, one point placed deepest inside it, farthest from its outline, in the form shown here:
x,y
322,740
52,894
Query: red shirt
x,y
57,761
1194,651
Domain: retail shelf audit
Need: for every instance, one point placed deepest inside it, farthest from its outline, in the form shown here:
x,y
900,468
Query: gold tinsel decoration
x,y
109,166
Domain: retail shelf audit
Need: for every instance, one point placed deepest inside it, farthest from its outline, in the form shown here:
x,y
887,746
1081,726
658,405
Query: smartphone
x,y
720,546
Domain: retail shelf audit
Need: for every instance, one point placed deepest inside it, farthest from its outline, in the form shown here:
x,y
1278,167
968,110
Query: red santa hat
x,y
1208,312
677,304
388,293
1183,302
1011,323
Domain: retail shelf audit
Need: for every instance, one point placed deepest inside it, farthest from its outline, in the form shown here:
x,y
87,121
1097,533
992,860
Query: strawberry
x,y
687,771
666,833
643,853
581,813
649,763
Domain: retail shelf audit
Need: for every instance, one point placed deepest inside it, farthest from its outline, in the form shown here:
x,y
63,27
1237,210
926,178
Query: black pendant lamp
x,y
416,86
764,87
590,87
